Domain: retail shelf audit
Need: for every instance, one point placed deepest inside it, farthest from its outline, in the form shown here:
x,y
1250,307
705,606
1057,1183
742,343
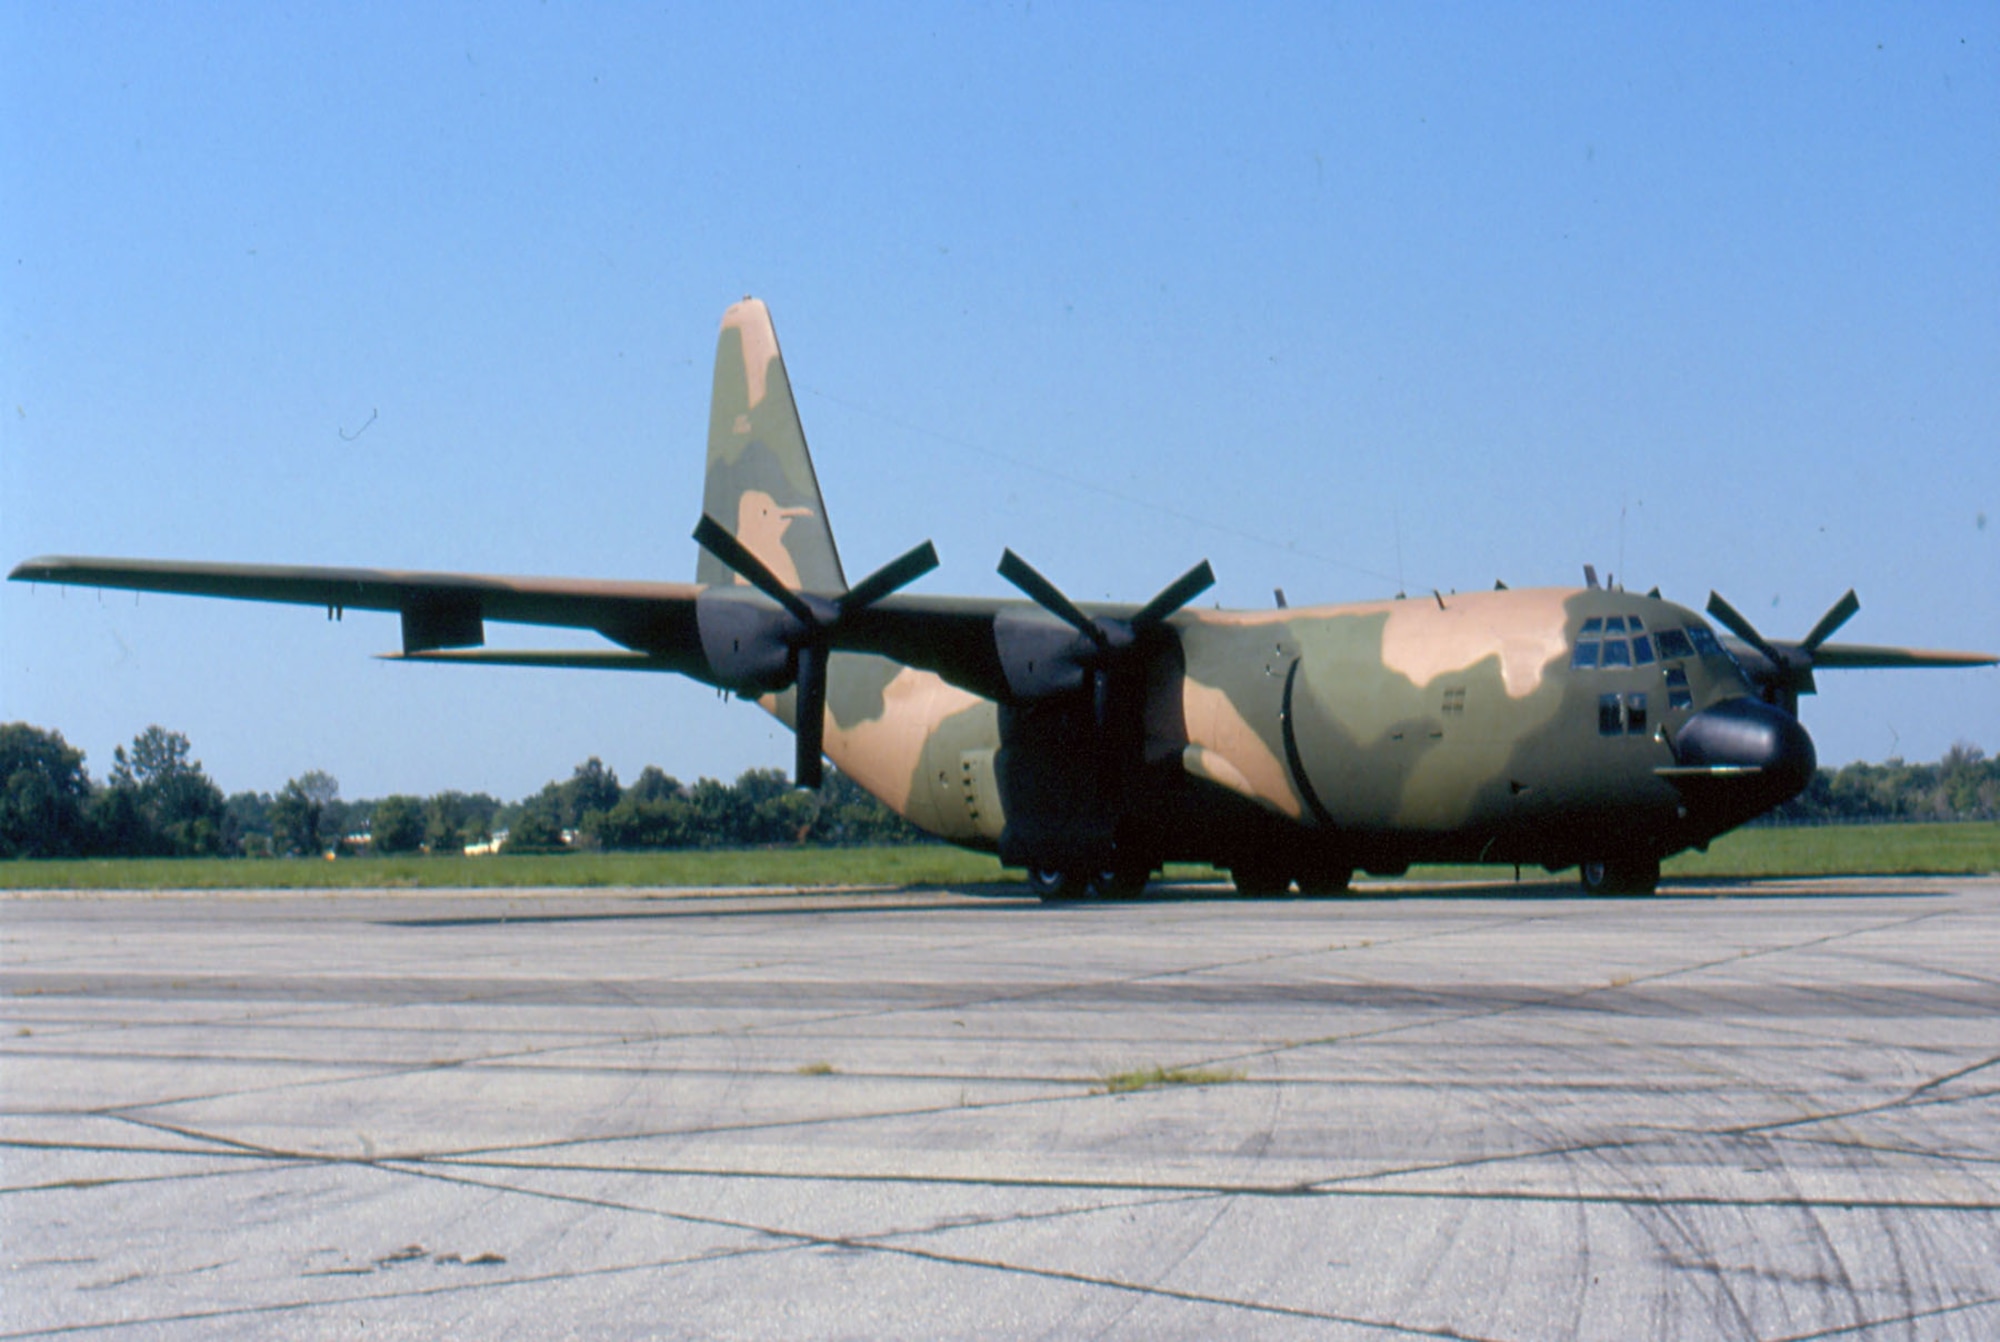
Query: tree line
x,y
159,802
1964,785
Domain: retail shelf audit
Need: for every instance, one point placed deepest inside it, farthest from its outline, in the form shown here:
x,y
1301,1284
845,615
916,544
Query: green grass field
x,y
1847,850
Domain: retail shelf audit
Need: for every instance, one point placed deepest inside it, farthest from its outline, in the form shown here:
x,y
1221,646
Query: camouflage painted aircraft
x,y
1561,727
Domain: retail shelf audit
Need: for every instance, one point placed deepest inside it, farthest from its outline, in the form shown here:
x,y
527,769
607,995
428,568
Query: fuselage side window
x,y
1678,695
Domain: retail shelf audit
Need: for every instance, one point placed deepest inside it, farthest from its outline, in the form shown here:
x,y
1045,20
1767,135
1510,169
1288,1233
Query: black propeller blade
x,y
1050,598
1112,634
1110,637
1177,594
1743,629
1843,610
715,538
1791,663
811,641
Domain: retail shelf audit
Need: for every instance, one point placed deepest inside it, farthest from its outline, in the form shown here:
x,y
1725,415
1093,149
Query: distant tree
x,y
300,821
43,794
593,788
397,825
1966,785
848,814
167,804
454,819
636,822
119,826
246,823
539,827
715,814
653,785
770,810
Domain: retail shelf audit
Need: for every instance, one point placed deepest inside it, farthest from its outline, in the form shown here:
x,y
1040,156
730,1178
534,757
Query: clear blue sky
x,y
1341,298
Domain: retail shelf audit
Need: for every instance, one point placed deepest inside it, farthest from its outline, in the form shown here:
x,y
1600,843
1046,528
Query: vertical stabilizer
x,y
760,484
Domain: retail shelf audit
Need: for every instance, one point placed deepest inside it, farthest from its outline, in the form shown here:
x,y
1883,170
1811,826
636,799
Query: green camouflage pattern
x,y
760,482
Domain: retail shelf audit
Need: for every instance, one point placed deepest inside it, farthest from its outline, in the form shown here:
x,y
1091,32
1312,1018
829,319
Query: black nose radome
x,y
1750,734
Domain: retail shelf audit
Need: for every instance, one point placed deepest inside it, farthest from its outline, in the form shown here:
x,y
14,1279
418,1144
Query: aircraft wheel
x,y
1326,884
1620,876
1260,882
1057,887
1122,882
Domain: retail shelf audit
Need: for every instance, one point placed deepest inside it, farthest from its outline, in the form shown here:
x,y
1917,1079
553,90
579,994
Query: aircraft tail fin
x,y
760,484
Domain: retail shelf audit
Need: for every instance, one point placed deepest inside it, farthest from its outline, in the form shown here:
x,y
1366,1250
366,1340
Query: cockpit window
x,y
1673,643
1642,650
1585,655
1592,625
1615,625
1632,623
1617,652
1704,640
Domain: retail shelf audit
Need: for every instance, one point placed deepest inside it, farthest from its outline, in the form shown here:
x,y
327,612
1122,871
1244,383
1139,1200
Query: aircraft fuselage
x,y
1456,728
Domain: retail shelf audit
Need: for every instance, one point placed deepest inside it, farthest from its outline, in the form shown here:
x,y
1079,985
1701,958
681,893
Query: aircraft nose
x,y
1750,734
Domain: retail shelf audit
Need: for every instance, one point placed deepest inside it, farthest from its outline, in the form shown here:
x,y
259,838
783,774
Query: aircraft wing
x,y
439,610
656,624
1860,657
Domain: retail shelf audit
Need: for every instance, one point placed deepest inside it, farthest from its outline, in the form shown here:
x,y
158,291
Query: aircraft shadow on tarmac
x,y
1014,897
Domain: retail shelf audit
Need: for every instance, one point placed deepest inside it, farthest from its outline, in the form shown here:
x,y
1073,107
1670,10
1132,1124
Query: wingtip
x,y
32,570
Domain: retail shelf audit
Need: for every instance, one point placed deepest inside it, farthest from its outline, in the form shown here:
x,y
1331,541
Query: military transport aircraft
x,y
1584,727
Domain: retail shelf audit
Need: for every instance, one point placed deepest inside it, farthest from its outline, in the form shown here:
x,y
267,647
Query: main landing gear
x,y
1257,882
1620,876
1064,887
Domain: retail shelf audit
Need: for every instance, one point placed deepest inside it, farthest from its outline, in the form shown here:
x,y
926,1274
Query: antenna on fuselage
x,y
1590,576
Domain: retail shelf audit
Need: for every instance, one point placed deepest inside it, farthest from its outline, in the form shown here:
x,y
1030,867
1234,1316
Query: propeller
x,y
1791,664
1109,638
810,639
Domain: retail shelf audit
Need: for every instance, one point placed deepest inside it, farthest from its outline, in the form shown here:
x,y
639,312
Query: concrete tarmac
x,y
1758,1110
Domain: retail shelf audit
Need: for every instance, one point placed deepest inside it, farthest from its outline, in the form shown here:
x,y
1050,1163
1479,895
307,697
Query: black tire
x,y
1121,882
1260,882
1620,876
1327,883
1057,887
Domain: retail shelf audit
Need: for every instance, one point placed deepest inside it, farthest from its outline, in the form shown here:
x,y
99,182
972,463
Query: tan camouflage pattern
x,y
760,481
903,734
